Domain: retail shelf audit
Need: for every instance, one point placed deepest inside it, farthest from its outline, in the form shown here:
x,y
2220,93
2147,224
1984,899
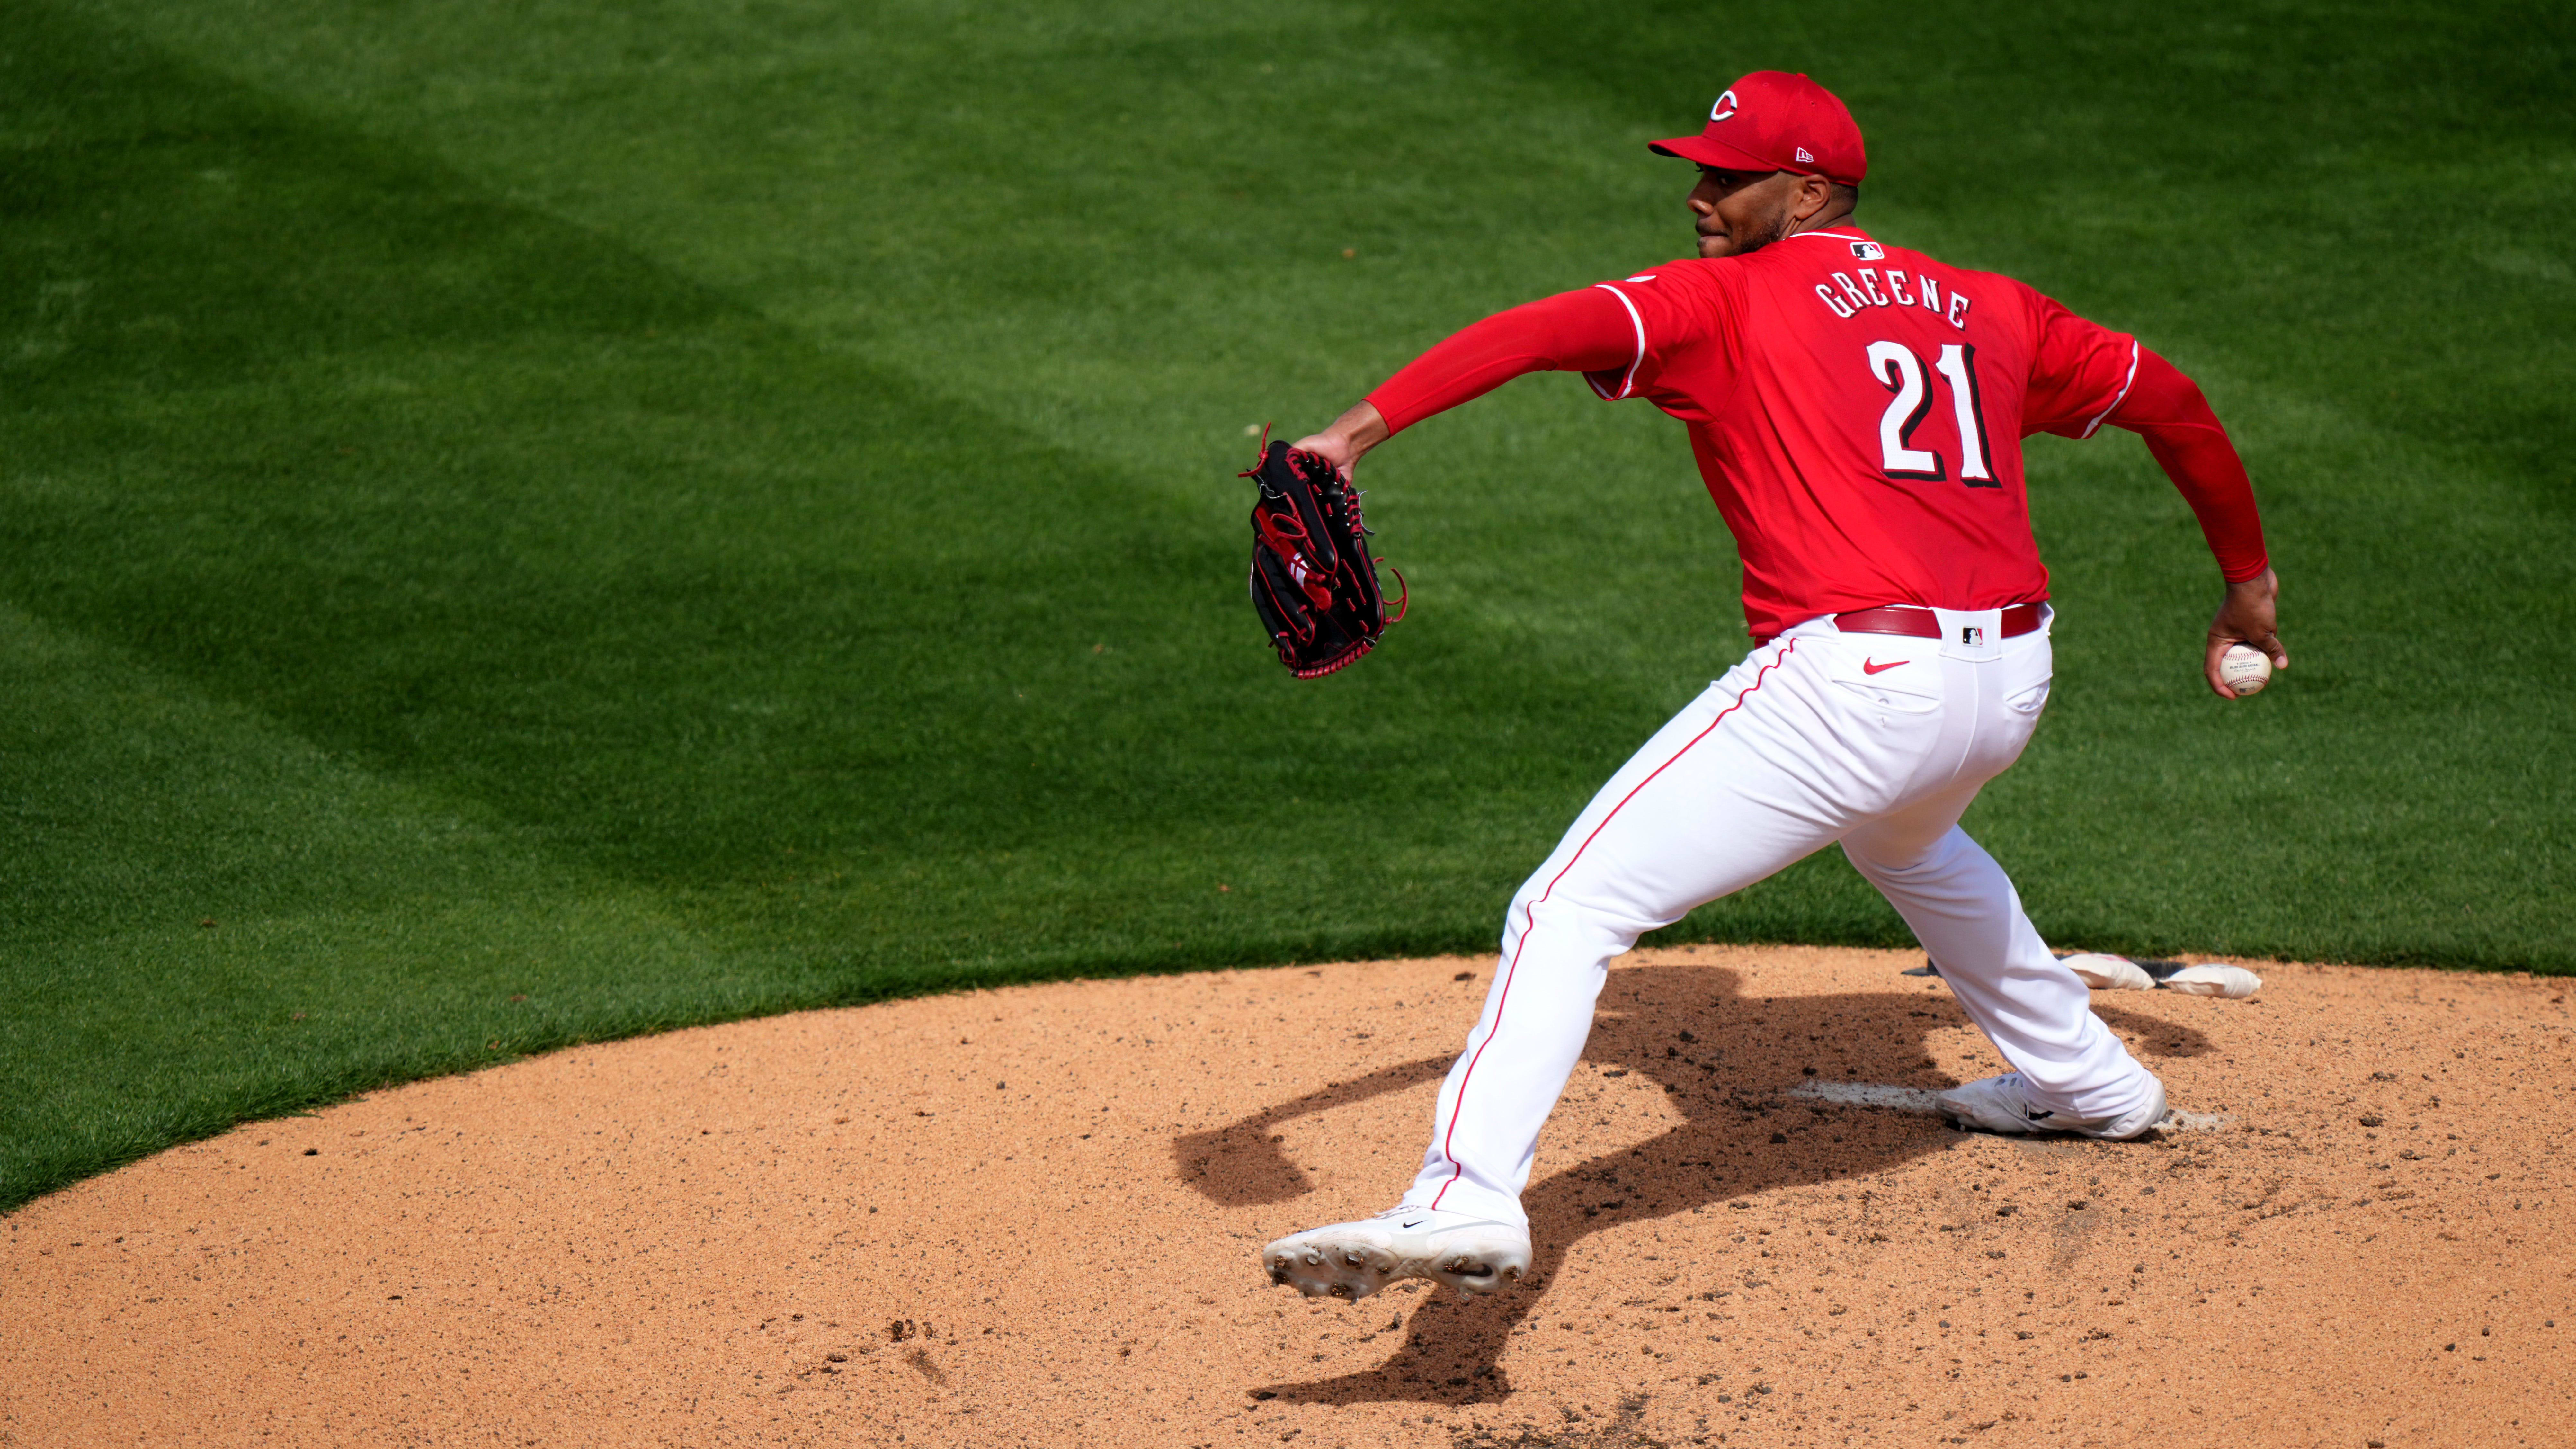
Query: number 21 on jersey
x,y
1901,372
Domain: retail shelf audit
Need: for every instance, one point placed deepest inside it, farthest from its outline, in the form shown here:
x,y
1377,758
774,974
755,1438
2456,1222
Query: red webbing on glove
x,y
2167,409
1586,331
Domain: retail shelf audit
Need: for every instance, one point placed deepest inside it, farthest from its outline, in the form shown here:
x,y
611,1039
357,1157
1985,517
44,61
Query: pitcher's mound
x,y
1033,1216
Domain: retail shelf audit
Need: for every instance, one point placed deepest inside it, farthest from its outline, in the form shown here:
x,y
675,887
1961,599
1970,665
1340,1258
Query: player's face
x,y
1741,211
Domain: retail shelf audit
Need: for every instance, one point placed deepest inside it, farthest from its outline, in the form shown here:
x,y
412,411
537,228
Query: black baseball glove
x,y
1313,582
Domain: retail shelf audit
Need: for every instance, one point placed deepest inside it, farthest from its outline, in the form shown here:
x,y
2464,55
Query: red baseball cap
x,y
1775,121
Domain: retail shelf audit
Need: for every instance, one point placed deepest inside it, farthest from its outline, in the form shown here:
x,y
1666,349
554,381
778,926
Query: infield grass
x,y
526,523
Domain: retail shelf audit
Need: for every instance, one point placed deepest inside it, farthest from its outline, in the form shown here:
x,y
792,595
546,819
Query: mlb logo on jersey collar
x,y
1868,251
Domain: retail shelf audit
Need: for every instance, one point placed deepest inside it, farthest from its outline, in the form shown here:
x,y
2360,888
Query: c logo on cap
x,y
1725,107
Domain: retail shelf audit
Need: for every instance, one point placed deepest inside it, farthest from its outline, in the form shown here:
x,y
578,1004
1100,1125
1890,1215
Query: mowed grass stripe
x,y
361,932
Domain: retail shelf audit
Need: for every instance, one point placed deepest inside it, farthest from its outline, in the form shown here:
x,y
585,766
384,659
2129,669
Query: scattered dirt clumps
x,y
835,1228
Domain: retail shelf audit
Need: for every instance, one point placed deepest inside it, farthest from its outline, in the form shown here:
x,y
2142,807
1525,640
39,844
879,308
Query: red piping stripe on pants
x,y
1529,915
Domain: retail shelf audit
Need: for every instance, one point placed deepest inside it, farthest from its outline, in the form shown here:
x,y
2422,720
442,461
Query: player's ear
x,y
1815,194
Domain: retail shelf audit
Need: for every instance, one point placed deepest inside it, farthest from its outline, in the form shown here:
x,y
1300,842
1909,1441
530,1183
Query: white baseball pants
x,y
1878,741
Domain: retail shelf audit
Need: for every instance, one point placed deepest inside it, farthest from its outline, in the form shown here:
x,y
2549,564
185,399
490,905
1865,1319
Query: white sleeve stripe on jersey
x,y
1639,323
2126,383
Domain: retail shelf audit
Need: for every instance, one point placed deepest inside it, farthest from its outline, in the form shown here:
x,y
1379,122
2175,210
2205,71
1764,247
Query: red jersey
x,y
1856,409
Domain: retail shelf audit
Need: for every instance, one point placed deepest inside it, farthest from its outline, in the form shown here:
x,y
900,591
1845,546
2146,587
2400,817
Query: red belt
x,y
2020,619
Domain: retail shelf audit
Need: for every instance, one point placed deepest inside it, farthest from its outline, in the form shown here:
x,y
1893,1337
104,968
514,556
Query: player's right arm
x,y
1586,331
2167,409
2083,376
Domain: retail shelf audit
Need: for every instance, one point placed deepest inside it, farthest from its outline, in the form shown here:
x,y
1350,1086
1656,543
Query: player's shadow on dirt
x,y
1727,1062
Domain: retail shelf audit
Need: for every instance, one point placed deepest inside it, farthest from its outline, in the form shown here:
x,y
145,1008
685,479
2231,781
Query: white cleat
x,y
2003,1104
1354,1260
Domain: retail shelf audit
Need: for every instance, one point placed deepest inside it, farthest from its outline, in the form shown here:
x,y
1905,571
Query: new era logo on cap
x,y
1806,155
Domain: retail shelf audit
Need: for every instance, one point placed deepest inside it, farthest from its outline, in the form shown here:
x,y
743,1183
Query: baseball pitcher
x,y
1856,409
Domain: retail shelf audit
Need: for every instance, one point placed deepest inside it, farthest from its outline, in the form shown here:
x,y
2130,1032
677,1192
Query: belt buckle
x,y
1973,634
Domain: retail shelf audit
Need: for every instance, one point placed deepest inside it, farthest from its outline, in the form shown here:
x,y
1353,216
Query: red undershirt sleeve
x,y
1586,331
2167,409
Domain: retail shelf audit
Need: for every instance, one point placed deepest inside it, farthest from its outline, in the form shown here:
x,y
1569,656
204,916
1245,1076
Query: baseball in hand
x,y
2244,669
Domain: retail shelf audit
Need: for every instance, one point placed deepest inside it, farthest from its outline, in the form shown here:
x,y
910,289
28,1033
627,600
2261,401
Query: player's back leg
x,y
1965,911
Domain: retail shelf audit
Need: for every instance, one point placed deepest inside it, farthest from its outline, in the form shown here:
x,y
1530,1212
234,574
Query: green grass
x,y
550,521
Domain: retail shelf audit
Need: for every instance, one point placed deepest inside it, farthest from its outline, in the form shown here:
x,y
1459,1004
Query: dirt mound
x,y
1032,1217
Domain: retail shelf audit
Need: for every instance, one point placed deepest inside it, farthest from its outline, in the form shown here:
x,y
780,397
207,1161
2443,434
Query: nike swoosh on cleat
x,y
1872,667
1417,1222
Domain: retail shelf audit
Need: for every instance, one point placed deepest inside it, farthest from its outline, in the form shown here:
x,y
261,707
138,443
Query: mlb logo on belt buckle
x,y
1971,633
1867,251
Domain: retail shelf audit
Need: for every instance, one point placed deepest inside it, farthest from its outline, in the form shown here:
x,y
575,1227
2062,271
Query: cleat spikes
x,y
1351,1261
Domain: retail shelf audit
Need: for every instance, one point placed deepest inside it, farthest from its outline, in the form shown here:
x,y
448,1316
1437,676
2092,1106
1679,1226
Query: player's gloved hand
x,y
1313,580
1350,435
2250,615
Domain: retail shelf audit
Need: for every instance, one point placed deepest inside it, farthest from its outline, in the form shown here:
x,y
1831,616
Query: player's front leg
x,y
1355,1259
1704,809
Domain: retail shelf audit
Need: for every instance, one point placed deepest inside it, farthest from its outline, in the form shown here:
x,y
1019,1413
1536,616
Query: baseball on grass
x,y
2244,669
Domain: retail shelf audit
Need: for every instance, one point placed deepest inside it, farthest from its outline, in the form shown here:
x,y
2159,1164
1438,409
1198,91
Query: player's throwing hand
x,y
2249,616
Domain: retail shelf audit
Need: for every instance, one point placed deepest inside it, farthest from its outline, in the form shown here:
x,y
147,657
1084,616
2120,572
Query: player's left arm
x,y
2167,409
1346,438
1578,331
